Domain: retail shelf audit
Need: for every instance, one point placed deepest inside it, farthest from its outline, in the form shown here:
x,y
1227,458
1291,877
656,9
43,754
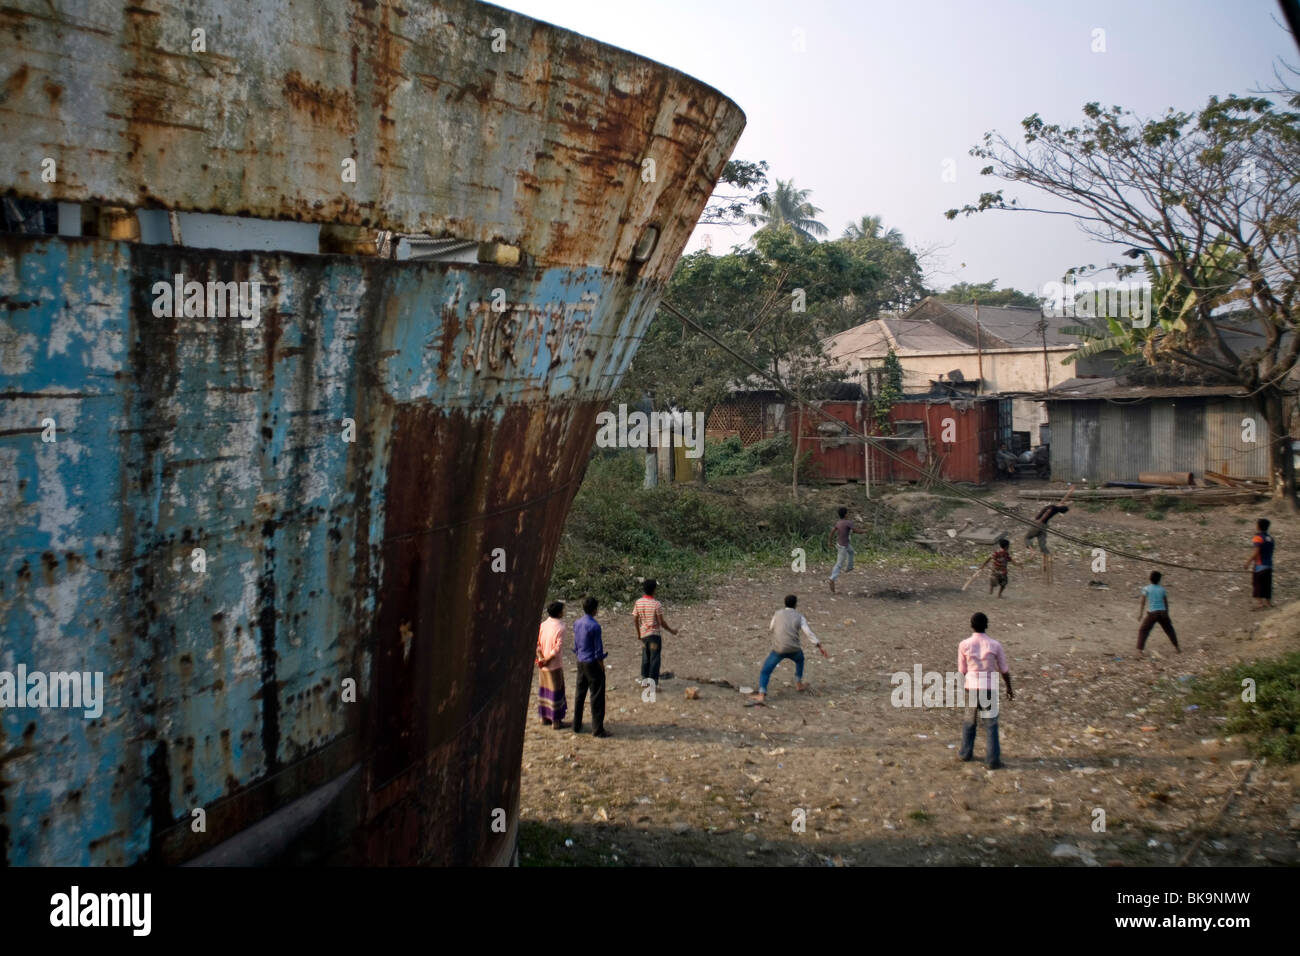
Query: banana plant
x,y
1175,306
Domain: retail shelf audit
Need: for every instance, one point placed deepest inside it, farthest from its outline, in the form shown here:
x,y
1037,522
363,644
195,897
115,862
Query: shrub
x,y
790,520
690,521
809,471
1272,720
730,457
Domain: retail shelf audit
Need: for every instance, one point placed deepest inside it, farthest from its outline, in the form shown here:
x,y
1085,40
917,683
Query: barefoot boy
x,y
981,659
1261,566
1038,532
786,625
1156,604
1000,558
841,537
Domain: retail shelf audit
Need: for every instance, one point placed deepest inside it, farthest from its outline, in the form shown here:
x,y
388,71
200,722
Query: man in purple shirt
x,y
841,538
590,651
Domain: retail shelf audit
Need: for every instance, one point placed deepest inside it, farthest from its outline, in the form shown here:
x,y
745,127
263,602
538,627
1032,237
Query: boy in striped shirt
x,y
648,614
1000,558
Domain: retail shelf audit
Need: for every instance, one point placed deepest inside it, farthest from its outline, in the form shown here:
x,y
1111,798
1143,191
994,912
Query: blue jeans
x,y
773,659
967,751
843,560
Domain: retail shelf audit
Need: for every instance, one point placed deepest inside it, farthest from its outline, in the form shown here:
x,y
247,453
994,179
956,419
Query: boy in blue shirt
x,y
1261,564
1155,601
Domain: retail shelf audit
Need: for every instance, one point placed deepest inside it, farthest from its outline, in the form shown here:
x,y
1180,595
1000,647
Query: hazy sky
x,y
884,92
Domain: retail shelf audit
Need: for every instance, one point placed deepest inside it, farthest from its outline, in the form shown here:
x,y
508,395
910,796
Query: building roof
x,y
905,336
1102,389
934,327
1017,326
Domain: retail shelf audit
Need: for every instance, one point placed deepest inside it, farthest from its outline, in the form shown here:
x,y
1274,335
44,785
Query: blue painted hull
x,y
323,558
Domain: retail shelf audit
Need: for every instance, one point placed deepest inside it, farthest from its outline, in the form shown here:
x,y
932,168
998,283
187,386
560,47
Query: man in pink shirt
x,y
982,659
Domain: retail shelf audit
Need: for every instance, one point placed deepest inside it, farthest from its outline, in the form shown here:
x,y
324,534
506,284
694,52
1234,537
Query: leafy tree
x,y
899,284
786,205
988,293
1188,188
730,202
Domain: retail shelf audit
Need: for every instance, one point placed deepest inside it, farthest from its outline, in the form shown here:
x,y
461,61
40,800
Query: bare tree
x,y
1221,185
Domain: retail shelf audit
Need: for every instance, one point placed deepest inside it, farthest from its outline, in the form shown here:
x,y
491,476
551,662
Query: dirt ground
x,y
712,781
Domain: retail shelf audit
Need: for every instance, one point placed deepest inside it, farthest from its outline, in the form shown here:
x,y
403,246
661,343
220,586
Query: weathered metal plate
x,y
540,145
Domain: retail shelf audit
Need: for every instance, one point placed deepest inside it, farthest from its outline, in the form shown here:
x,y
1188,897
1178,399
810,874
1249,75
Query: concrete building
x,y
984,350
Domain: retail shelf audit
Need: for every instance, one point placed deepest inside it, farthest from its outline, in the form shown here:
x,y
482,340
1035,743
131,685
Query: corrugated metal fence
x,y
1110,441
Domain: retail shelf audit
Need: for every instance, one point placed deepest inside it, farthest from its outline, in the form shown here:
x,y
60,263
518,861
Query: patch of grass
x,y
681,534
920,816
542,844
1271,721
1155,515
946,507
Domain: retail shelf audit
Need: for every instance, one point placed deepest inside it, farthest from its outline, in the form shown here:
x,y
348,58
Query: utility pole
x,y
1047,373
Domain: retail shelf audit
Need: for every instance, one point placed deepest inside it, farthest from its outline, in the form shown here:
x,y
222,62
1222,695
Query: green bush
x,y
1272,720
726,457
729,457
796,521
688,520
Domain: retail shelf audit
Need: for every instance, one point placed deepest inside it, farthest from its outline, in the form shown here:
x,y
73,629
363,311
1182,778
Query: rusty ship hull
x,y
307,549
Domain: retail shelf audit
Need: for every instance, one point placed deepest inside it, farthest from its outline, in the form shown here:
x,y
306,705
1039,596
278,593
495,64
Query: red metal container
x,y
961,434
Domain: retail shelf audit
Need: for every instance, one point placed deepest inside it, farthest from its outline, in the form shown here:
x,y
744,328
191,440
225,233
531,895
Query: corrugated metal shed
x,y
1100,441
1225,450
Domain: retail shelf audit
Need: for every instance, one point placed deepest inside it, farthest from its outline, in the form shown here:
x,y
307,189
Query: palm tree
x,y
787,206
868,227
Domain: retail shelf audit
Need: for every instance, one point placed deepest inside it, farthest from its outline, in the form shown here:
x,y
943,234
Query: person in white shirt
x,y
786,626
